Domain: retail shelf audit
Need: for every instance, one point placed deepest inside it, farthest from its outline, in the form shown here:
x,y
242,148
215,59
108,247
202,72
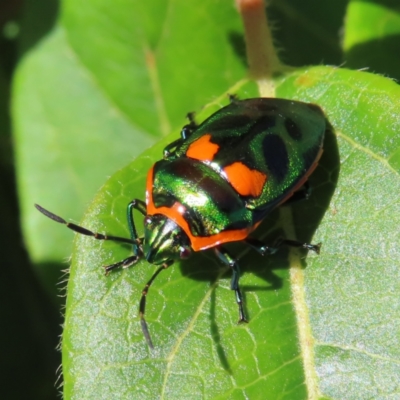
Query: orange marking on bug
x,y
202,149
198,243
176,212
246,181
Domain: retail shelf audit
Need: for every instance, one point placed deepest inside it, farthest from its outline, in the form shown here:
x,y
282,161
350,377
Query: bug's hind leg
x,y
296,243
303,193
263,249
228,260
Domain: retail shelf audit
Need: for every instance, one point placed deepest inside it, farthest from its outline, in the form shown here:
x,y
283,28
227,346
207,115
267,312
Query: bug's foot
x,y
313,247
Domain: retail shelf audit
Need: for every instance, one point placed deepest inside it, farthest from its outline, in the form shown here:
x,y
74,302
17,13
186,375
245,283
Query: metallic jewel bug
x,y
218,181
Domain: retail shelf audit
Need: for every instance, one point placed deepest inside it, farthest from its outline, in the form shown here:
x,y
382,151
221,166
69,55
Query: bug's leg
x,y
227,259
233,98
186,132
296,243
136,241
142,304
303,193
263,249
260,246
188,129
128,262
169,149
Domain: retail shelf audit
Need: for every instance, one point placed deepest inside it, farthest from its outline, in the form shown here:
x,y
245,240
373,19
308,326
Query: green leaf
x,y
169,53
372,36
352,288
337,313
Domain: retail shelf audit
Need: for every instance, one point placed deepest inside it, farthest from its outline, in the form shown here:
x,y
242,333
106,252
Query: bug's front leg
x,y
228,260
142,304
136,241
139,205
186,132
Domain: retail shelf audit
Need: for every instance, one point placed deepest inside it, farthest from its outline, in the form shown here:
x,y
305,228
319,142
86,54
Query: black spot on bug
x,y
276,156
195,222
293,129
231,122
220,195
163,199
225,199
262,124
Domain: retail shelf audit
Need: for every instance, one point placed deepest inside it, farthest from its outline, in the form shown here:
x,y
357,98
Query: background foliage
x,y
106,82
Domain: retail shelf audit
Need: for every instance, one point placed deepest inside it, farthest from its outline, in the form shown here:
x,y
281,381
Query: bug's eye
x,y
148,221
185,253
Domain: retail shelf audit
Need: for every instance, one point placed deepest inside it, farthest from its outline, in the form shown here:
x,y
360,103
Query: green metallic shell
x,y
212,205
280,138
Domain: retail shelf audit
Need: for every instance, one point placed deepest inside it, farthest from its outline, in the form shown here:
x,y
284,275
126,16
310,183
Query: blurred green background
x,y
30,313
30,319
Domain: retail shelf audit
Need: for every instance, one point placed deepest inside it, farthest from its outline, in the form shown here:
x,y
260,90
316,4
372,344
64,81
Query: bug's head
x,y
164,240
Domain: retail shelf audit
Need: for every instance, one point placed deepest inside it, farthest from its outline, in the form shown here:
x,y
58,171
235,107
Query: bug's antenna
x,y
142,304
81,229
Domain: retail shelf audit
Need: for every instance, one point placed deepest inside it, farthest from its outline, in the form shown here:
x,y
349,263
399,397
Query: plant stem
x,y
261,55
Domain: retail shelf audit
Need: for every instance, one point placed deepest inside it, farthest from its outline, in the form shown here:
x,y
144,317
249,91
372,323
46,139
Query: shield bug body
x,y
218,181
